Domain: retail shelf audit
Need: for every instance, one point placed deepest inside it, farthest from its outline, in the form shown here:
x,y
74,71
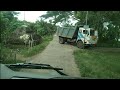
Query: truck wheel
x,y
61,40
80,44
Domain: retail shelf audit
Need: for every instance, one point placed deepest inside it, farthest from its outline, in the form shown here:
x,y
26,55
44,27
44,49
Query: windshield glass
x,y
49,44
85,31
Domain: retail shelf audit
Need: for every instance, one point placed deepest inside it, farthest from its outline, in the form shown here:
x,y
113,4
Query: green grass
x,y
38,48
8,57
109,44
11,61
103,64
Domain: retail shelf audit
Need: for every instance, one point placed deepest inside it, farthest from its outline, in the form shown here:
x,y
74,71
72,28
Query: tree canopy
x,y
96,19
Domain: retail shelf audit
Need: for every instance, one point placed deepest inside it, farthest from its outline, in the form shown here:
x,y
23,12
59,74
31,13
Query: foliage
x,y
96,20
98,63
44,28
8,23
8,55
58,16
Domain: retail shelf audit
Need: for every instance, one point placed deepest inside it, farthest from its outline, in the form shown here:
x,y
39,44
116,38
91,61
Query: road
x,y
58,55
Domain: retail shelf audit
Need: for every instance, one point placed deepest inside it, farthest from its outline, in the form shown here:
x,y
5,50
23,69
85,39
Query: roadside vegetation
x,y
8,55
27,52
100,63
10,45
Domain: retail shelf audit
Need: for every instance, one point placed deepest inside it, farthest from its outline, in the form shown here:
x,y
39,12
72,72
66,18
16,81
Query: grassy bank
x,y
38,48
98,63
8,55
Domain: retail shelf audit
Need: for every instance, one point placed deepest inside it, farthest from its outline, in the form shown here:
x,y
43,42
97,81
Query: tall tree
x,y
8,23
96,20
57,16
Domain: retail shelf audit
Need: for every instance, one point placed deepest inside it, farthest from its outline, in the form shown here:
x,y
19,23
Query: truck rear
x,y
66,34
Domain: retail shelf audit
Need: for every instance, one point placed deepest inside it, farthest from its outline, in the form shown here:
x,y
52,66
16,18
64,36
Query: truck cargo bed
x,y
67,32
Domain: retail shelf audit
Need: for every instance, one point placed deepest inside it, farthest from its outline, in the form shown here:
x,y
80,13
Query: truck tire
x,y
80,44
61,40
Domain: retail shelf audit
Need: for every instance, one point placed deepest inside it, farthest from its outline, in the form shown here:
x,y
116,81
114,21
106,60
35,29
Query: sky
x,y
30,16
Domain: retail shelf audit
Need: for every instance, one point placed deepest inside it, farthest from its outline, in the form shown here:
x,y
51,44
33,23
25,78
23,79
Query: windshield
x,y
85,31
51,41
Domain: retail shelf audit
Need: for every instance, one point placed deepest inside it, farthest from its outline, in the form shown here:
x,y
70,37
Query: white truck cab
x,y
88,36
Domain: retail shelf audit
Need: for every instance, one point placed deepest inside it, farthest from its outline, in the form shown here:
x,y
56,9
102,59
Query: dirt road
x,y
58,55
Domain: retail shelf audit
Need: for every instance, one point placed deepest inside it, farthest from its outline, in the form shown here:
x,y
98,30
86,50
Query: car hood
x,y
7,73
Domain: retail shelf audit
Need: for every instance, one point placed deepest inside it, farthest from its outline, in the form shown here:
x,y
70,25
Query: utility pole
x,y
86,17
85,26
24,15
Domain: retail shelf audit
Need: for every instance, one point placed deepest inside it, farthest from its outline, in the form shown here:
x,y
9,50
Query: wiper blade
x,y
35,66
32,66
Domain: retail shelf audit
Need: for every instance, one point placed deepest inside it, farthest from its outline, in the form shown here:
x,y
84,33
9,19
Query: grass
x,y
109,44
38,48
8,57
98,63
11,61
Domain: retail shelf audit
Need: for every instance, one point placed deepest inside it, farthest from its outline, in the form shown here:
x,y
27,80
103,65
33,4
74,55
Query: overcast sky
x,y
30,16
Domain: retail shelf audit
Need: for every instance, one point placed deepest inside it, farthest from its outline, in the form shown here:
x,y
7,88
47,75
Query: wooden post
x,y
15,56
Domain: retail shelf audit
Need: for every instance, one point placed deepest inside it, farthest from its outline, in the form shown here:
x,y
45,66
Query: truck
x,y
81,35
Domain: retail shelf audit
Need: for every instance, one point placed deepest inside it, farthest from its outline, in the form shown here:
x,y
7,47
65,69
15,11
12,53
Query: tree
x,y
44,28
96,20
57,16
8,23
